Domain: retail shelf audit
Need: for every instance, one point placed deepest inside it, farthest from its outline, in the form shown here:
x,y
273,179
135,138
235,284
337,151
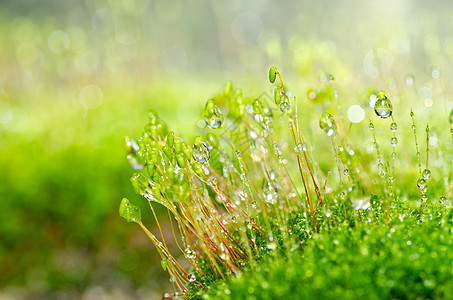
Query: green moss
x,y
266,215
409,260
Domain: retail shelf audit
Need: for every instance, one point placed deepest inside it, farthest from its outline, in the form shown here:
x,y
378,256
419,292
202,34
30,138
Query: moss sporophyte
x,y
254,188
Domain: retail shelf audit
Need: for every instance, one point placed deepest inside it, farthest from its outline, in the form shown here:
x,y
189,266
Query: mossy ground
x,y
348,222
411,258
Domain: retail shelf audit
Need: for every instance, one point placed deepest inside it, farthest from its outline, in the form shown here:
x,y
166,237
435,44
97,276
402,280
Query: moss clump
x,y
411,259
262,214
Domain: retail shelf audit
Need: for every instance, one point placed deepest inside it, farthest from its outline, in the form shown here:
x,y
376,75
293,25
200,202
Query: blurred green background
x,y
77,76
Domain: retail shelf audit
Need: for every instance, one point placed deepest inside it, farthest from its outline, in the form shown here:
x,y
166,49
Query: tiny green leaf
x,y
228,89
164,264
181,160
129,211
170,139
272,74
278,95
167,151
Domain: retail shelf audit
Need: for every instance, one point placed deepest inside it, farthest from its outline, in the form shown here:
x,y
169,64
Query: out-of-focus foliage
x,y
62,162
61,180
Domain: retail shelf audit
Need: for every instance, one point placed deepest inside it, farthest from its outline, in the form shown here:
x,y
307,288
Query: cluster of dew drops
x,y
262,114
384,109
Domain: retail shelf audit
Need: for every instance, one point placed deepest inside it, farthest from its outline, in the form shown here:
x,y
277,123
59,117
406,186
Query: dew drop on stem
x,y
383,107
200,151
393,127
213,115
421,183
426,174
327,123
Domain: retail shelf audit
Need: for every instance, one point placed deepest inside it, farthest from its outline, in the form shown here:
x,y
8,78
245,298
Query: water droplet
x,y
371,126
272,246
258,110
200,151
451,117
213,114
130,145
393,127
327,123
424,197
262,114
272,175
267,123
361,203
421,183
394,141
301,147
189,253
304,146
409,79
135,162
426,174
346,172
442,199
328,213
285,105
383,107
372,100
269,193
281,98
380,166
435,72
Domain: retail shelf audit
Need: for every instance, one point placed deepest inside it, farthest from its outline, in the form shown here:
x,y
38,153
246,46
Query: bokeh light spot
x,y
6,112
58,42
91,96
356,114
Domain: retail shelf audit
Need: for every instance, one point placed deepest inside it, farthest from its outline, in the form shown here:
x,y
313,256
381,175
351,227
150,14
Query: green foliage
x,y
59,176
409,260
130,212
263,215
272,74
